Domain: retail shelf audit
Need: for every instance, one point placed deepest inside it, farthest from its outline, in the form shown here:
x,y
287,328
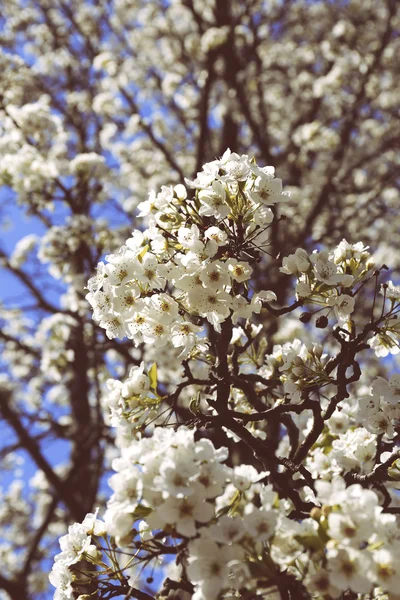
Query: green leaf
x,y
310,542
143,252
141,512
394,470
153,376
194,404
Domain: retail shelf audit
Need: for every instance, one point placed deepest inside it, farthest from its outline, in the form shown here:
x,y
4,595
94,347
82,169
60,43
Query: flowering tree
x,y
247,412
314,513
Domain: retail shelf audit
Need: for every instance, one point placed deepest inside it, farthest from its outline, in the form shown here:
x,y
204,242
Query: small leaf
x,y
143,252
394,470
194,404
310,542
153,376
141,512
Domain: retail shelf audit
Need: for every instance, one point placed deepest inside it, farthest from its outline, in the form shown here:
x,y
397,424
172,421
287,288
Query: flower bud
x,y
305,317
325,510
321,322
318,350
316,513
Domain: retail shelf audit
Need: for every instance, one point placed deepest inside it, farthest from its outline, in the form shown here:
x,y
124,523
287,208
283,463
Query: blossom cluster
x,y
175,484
75,546
187,281
232,526
327,278
356,542
380,411
193,260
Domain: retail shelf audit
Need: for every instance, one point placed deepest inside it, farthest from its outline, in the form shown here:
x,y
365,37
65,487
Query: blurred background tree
x,y
101,102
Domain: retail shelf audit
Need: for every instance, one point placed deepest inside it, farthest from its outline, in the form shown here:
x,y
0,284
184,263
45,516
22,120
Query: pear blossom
x,y
326,270
213,201
385,344
137,383
388,390
209,566
343,305
260,524
216,234
295,263
183,513
392,291
267,191
184,335
215,276
239,271
348,568
61,578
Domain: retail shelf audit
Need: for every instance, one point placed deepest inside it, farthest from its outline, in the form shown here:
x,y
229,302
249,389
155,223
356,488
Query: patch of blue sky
x,y
16,224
